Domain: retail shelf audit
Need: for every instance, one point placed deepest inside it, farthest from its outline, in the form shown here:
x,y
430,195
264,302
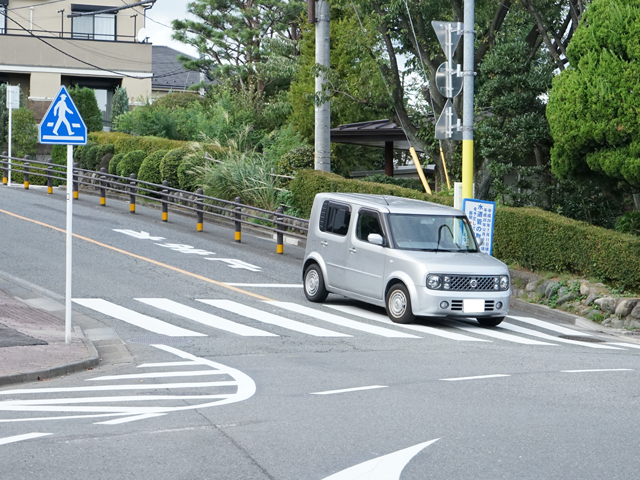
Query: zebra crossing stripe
x,y
270,318
134,318
535,333
418,328
548,326
343,322
20,438
495,334
205,318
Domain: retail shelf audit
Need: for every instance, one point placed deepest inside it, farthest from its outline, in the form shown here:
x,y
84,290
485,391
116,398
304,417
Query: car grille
x,y
472,284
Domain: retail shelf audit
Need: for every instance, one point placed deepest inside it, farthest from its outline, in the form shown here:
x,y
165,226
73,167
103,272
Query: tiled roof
x,y
372,134
165,61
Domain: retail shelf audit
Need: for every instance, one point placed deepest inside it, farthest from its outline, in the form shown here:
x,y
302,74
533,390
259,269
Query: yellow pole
x,y
416,162
444,165
467,169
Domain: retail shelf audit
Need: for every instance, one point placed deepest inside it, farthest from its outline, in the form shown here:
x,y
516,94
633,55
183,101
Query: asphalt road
x,y
223,373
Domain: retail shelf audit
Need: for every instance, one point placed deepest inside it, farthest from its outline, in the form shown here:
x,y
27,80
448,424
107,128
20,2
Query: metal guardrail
x,y
236,212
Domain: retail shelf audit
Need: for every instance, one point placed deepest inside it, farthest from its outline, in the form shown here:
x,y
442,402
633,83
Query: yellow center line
x,y
154,262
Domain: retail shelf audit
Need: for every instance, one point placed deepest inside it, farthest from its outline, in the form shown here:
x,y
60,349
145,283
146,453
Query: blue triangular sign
x,y
63,124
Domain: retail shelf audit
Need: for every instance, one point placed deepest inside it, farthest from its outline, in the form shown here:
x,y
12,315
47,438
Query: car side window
x,y
368,222
335,218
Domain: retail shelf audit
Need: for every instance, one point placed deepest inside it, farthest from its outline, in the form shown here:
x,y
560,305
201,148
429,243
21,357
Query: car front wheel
x,y
490,321
398,304
314,288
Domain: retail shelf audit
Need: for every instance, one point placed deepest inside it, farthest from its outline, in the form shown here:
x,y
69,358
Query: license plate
x,y
473,306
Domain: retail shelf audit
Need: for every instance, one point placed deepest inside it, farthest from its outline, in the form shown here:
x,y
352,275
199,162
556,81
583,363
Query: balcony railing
x,y
98,37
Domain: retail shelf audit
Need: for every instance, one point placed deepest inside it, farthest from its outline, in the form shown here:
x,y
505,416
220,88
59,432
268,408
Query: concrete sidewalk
x,y
32,337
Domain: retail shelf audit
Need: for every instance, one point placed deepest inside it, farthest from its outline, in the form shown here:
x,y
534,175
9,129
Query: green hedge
x,y
309,182
169,166
150,169
544,241
131,163
125,143
113,164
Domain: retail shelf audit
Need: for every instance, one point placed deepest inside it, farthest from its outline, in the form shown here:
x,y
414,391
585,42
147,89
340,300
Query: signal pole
x,y
467,98
322,110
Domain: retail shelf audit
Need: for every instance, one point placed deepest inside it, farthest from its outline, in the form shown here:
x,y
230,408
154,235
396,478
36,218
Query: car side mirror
x,y
376,239
480,241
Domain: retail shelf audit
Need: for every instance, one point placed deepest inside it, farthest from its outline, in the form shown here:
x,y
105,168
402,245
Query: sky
x,y
159,32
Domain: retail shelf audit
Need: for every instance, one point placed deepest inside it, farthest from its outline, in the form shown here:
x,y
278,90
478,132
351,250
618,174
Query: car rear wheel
x,y
490,321
314,288
398,304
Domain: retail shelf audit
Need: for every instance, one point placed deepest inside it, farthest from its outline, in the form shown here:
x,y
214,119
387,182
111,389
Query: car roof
x,y
392,204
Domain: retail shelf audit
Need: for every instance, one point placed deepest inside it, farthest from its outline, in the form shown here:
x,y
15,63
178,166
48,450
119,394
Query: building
x,y
98,44
169,74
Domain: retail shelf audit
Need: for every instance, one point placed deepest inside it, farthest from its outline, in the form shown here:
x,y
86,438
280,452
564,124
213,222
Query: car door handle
x,y
352,250
324,243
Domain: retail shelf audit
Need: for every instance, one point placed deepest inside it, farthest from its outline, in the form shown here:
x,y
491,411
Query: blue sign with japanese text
x,y
481,215
62,124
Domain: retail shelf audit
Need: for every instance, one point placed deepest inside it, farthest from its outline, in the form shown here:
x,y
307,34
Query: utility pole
x,y
322,109
467,98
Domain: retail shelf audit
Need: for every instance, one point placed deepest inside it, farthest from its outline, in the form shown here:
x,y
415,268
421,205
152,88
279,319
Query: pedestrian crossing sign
x,y
63,124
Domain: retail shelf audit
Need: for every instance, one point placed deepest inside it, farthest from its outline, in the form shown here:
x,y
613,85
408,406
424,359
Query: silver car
x,y
414,258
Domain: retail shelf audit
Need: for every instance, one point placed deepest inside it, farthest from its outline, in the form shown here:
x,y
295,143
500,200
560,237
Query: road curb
x,y
545,310
58,371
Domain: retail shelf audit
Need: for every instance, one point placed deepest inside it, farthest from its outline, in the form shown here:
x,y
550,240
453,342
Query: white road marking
x,y
205,318
188,249
107,388
343,322
234,263
418,328
140,235
549,326
387,467
599,370
495,334
134,318
621,344
266,285
20,438
192,373
169,364
535,333
244,384
135,418
270,318
344,390
479,377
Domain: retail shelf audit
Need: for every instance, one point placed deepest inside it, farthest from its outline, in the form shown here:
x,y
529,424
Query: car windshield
x,y
432,233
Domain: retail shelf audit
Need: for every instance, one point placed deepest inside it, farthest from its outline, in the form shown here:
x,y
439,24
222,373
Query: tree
x,y
593,106
241,39
512,130
85,101
24,133
120,103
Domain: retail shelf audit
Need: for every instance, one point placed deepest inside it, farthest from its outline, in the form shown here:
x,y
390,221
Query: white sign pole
x,y
10,135
67,323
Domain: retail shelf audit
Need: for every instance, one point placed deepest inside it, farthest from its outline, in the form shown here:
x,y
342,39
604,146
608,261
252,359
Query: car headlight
x,y
504,282
434,282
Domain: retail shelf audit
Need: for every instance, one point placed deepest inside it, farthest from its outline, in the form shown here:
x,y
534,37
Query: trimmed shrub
x,y
25,139
131,162
187,176
169,166
83,154
113,164
309,182
412,183
150,169
544,241
94,159
125,143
